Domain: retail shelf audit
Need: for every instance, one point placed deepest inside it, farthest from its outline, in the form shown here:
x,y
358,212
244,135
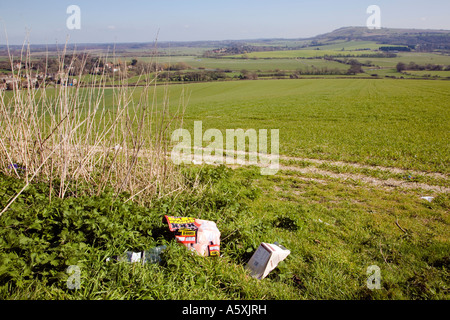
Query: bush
x,y
400,67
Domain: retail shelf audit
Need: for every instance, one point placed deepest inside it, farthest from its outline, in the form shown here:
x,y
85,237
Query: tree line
x,y
414,66
402,48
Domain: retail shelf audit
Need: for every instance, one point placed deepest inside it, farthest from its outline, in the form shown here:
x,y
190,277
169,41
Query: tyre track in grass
x,y
322,174
389,183
318,174
393,170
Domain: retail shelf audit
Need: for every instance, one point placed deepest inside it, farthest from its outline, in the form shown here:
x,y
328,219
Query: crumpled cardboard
x,y
266,258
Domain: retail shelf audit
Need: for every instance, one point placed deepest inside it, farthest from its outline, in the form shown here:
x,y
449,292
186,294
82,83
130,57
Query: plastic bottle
x,y
148,256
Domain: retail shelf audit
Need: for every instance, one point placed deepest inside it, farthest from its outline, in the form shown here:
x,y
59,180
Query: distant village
x,y
47,72
22,81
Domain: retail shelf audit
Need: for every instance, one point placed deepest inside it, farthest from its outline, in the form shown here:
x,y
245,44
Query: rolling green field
x,y
310,58
357,156
406,57
334,119
249,64
398,123
440,74
304,53
352,45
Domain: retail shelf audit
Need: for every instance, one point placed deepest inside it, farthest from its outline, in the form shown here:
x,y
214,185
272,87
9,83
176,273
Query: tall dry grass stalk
x,y
85,138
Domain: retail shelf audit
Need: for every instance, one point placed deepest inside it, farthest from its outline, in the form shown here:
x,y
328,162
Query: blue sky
x,y
188,20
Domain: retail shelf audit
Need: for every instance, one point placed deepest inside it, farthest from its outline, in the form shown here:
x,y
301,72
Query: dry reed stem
x,y
69,137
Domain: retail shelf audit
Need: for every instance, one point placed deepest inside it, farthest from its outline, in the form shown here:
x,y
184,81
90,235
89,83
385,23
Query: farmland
x,y
333,119
291,60
357,154
251,64
300,54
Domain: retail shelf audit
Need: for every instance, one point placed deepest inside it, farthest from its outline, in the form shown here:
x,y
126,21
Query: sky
x,y
100,21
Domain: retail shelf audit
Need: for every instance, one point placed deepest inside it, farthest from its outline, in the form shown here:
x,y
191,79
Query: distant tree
x,y
355,67
434,67
413,66
402,48
400,67
179,66
245,74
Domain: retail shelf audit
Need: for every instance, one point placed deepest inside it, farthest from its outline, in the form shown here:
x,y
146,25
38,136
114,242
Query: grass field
x,y
352,45
304,53
249,64
335,119
406,57
440,74
357,155
334,229
310,59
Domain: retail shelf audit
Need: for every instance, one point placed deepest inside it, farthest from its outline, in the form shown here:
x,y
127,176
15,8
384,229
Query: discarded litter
x,y
149,256
266,258
198,235
153,255
429,199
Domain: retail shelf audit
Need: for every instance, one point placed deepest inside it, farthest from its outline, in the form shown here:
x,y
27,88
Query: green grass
x,y
334,231
421,58
335,228
426,73
357,223
389,72
368,171
250,64
303,53
399,123
353,45
38,244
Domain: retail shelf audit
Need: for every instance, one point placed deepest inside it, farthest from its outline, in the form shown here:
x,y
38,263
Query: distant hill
x,y
420,39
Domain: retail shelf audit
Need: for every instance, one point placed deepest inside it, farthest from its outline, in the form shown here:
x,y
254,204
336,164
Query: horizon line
x,y
193,41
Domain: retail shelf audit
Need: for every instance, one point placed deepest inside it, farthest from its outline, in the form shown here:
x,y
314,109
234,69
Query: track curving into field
x,y
315,173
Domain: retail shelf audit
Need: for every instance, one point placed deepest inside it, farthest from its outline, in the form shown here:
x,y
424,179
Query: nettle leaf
x,y
44,212
54,262
71,261
33,256
36,225
23,240
11,222
4,259
64,234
